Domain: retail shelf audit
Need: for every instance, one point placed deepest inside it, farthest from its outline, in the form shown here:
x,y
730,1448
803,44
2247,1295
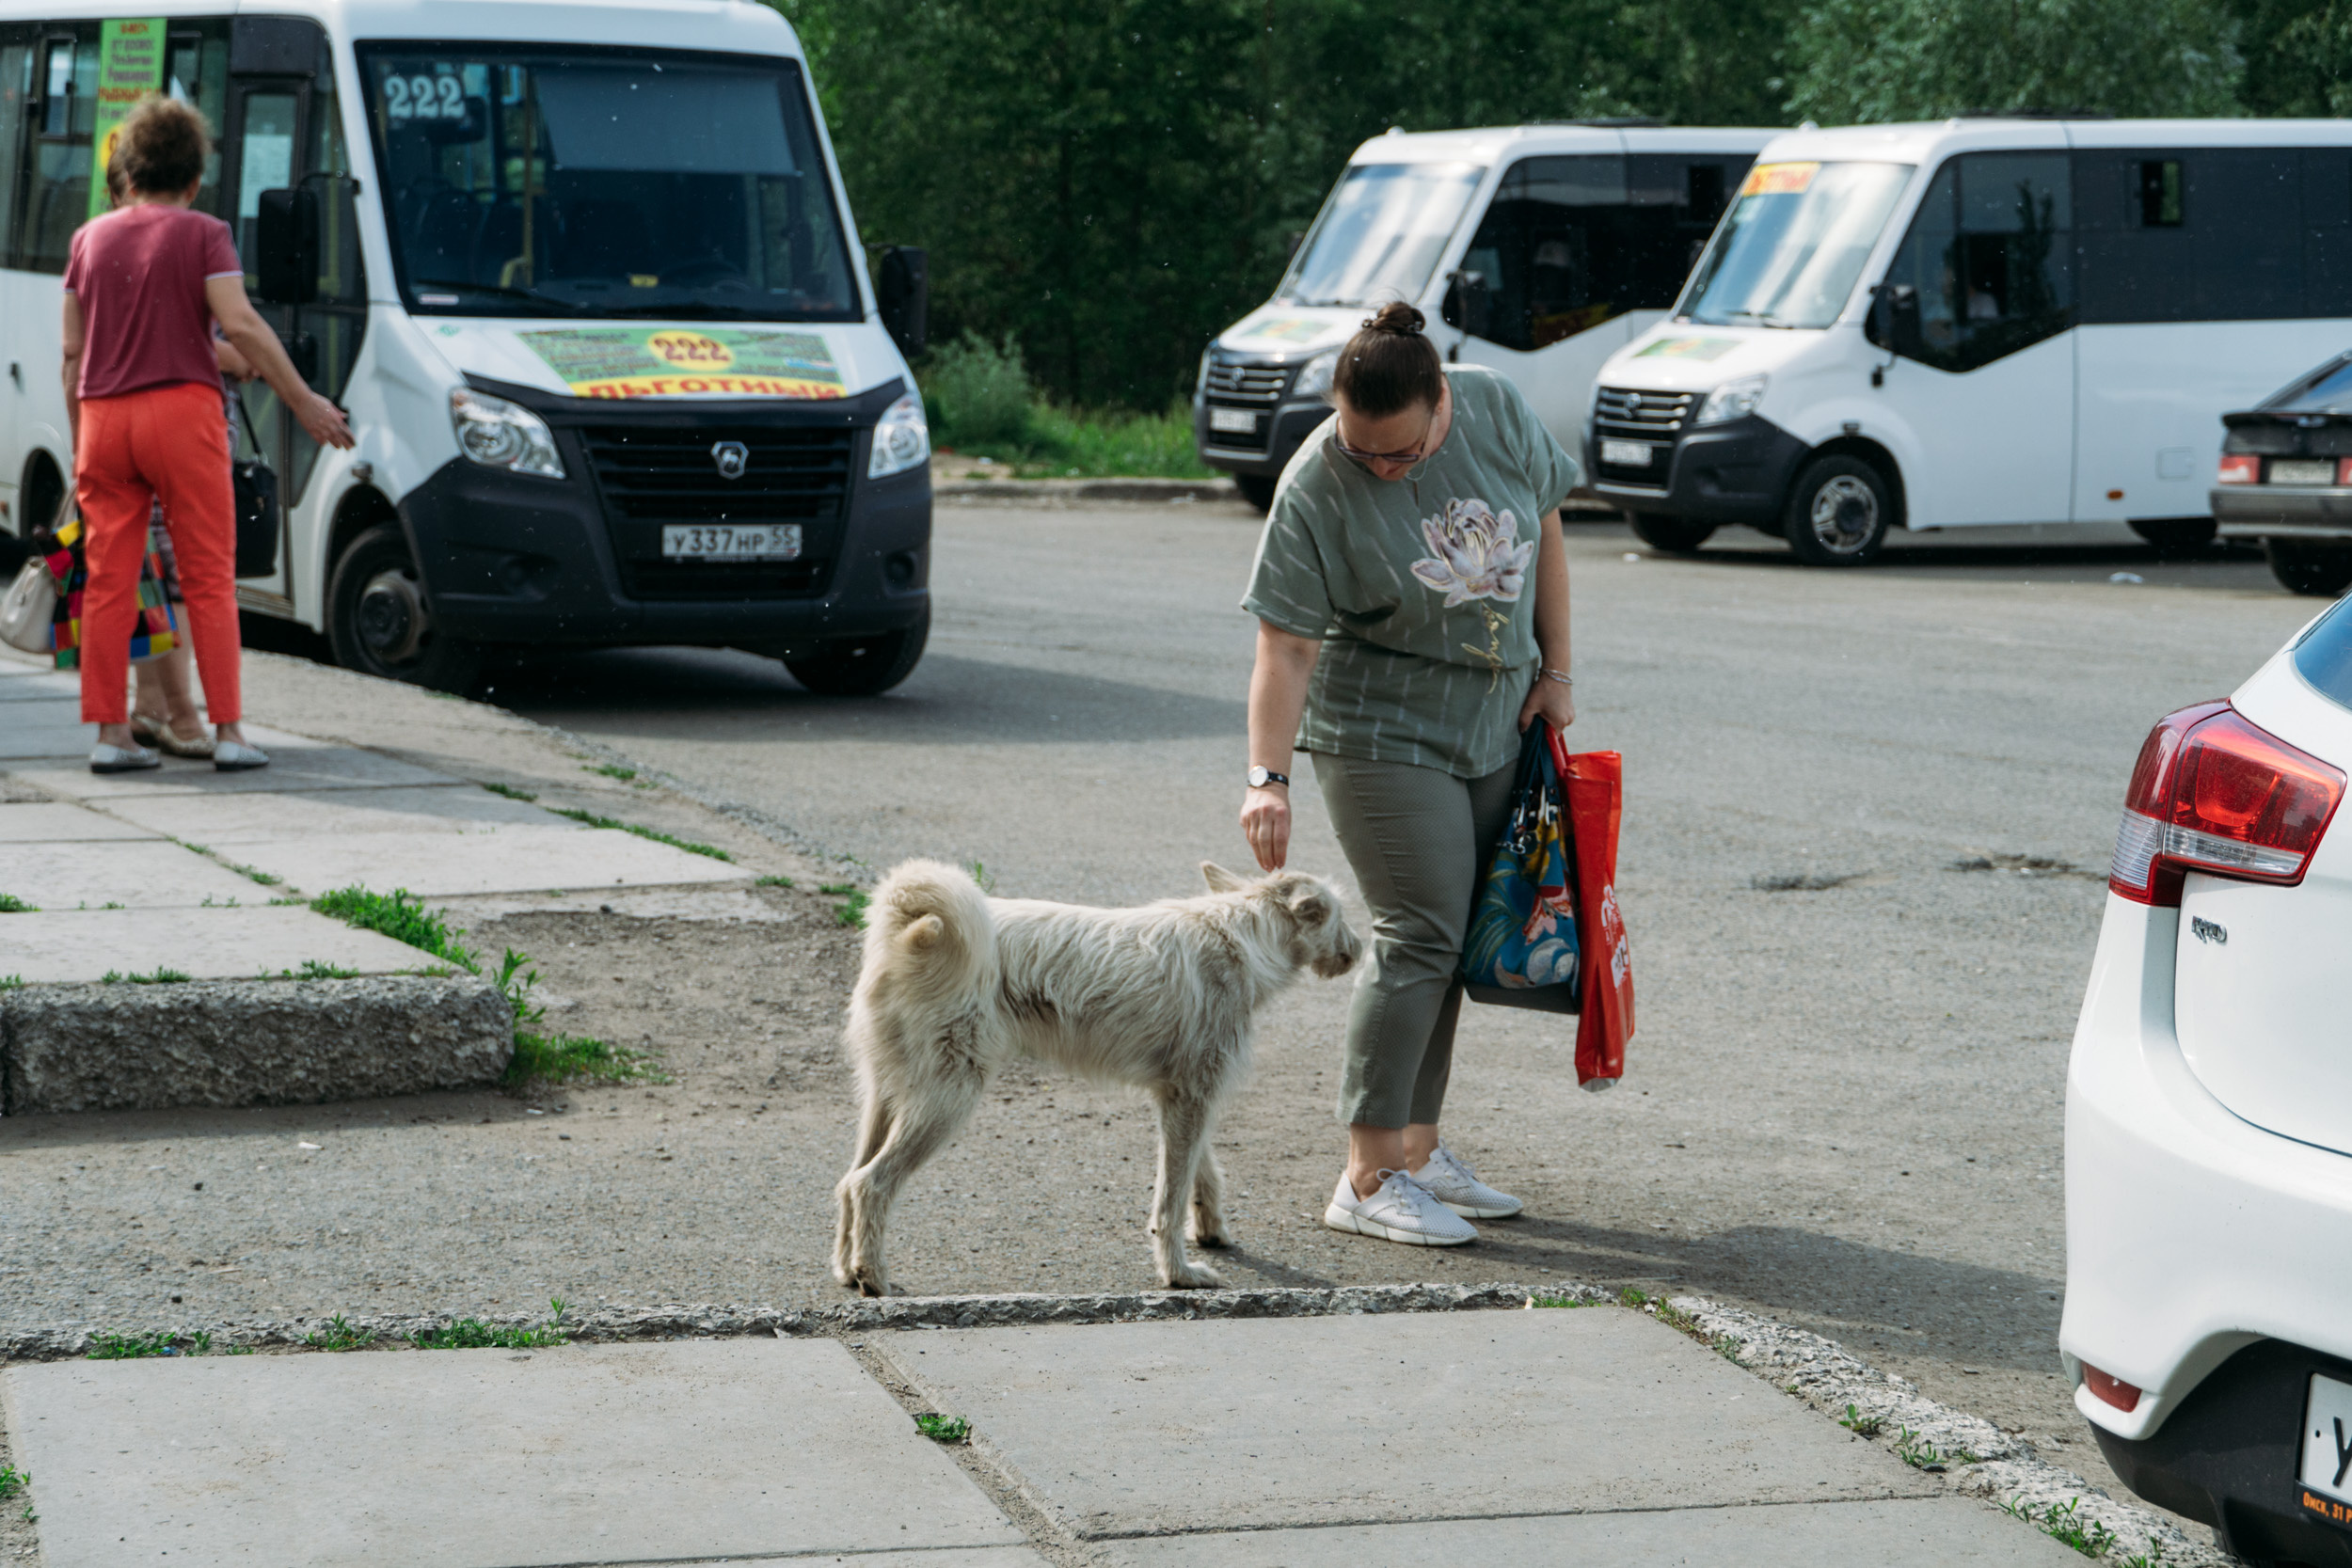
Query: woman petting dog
x,y
1400,643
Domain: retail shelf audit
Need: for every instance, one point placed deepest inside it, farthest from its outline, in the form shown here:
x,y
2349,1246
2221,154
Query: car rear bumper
x,y
2194,1241
2266,511
1735,472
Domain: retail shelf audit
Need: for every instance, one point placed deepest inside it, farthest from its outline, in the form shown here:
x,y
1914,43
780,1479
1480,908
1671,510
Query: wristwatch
x,y
1260,776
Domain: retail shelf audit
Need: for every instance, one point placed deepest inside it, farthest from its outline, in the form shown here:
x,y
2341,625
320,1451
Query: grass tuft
x,y
611,770
312,969
1920,1454
509,792
1540,1299
341,1334
944,1429
137,1347
1859,1425
11,982
590,819
400,915
850,911
13,1481
12,904
473,1334
558,1058
773,882
159,976
2091,1537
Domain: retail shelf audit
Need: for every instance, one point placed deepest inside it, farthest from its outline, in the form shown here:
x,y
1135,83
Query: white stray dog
x,y
955,983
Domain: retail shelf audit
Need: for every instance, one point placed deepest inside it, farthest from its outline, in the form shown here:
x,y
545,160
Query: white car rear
x,y
2209,1118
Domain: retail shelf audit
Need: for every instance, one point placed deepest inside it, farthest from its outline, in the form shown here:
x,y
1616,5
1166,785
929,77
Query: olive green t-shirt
x,y
1422,589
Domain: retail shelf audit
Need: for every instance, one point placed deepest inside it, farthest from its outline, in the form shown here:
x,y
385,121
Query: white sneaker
x,y
1399,1210
1456,1186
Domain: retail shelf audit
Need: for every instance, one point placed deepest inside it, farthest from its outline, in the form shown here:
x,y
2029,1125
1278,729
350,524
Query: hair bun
x,y
1398,318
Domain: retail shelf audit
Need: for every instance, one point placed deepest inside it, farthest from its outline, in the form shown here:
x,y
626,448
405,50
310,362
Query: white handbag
x,y
30,607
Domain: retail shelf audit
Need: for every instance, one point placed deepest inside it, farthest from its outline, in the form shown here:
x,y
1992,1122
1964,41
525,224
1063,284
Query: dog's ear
x,y
1220,880
1310,905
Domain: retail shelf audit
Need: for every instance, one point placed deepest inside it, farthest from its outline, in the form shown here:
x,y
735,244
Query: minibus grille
x,y
1236,381
653,475
1621,411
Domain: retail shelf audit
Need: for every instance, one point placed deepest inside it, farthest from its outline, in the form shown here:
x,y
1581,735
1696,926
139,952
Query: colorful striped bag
x,y
154,632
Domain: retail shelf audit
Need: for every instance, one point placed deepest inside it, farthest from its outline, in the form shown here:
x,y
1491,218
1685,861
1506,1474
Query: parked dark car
x,y
2286,479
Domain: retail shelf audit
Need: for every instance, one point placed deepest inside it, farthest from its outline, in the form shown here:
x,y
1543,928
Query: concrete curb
x,y
1051,491
1981,1459
247,1042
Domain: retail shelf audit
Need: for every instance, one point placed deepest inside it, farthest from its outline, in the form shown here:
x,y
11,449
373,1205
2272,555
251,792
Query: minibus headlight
x,y
1733,400
1315,378
502,435
902,439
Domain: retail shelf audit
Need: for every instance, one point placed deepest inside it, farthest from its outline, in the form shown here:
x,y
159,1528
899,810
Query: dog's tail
x,y
931,922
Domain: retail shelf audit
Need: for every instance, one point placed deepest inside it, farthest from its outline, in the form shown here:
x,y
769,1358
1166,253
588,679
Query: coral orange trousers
x,y
168,443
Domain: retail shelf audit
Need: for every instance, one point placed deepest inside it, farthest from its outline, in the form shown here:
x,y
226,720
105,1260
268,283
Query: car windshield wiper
x,y
503,290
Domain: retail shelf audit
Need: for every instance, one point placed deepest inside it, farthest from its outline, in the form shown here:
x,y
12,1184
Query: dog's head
x,y
1316,931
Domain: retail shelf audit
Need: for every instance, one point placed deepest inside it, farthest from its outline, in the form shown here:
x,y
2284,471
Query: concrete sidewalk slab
x,y
291,769
1144,1428
619,1455
220,819
44,730
56,822
146,874
207,944
501,860
1950,1533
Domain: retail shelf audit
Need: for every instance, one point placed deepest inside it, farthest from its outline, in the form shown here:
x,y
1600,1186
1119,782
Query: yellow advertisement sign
x,y
129,66
1779,179
687,362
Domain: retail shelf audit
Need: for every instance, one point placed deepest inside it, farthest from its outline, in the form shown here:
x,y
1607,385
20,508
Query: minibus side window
x,y
1545,248
196,70
2327,232
2190,234
18,54
1989,261
56,198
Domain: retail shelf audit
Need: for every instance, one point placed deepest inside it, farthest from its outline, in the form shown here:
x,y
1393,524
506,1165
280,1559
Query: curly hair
x,y
161,148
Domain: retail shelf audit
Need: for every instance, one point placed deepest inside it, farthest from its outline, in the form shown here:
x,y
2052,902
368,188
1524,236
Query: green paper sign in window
x,y
129,66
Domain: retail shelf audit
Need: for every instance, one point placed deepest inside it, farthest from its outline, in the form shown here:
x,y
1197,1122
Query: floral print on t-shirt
x,y
1475,553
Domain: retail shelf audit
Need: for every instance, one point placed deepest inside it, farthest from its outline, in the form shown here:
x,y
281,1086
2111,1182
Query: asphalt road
x,y
1844,1103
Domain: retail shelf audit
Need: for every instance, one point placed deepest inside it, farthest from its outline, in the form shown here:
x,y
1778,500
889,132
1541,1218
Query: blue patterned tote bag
x,y
1522,949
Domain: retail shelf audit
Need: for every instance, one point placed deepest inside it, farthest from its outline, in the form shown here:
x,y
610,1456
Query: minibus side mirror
x,y
905,291
1894,323
1468,304
286,245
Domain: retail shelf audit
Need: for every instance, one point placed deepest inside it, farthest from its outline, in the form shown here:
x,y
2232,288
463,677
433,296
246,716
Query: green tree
x,y
1866,61
2298,56
1112,183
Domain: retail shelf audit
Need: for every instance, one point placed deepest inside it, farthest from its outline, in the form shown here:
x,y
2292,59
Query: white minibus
x,y
582,274
1981,322
1538,249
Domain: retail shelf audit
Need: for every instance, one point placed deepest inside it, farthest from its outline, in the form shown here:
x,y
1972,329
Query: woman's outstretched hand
x,y
1265,822
1550,700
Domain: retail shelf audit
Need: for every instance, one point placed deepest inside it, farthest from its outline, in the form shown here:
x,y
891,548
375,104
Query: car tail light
x,y
2343,471
2109,1390
2212,793
2241,467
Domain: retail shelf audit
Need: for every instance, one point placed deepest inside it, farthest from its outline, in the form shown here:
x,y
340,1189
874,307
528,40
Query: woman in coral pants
x,y
144,284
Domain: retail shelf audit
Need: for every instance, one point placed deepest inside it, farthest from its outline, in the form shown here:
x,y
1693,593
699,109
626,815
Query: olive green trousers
x,y
1418,839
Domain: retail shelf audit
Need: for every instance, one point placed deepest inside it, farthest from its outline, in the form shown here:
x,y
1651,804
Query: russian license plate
x,y
1240,421
1625,454
2297,470
2326,1451
731,542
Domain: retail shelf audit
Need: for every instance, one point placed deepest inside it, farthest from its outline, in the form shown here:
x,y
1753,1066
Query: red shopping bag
x,y
1604,1025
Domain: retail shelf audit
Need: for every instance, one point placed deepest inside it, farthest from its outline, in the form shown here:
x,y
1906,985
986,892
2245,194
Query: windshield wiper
x,y
501,290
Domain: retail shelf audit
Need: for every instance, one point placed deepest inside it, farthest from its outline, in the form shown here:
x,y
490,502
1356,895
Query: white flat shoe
x,y
122,759
235,757
1399,1210
1457,1187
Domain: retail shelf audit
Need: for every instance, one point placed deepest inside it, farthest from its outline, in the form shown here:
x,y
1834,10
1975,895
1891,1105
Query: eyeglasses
x,y
1408,456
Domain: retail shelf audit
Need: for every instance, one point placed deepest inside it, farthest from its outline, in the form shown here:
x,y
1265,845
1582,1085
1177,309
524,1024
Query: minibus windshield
x,y
530,182
1380,234
1791,247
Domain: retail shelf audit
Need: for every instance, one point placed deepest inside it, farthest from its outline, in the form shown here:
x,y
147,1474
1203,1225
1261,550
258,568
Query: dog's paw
x,y
1209,1235
867,1278
1193,1277
841,1274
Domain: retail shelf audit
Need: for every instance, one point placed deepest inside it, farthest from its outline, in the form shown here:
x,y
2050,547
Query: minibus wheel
x,y
864,666
1839,512
379,624
2310,566
1257,489
1675,535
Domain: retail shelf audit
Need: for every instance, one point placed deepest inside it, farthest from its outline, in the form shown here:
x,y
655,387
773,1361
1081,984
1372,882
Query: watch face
x,y
1258,776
